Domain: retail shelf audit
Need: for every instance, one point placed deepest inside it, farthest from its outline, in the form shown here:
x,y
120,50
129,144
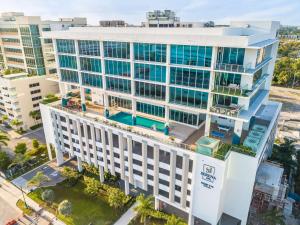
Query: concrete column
x,y
156,203
82,98
58,152
111,152
70,136
168,54
238,129
122,164
167,115
130,169
104,148
144,165
79,164
80,139
101,174
126,186
87,147
156,170
97,133
191,219
172,175
94,145
185,171
207,125
49,152
132,69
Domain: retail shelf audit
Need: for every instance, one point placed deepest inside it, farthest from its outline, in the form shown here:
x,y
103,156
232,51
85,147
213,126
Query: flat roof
x,y
269,174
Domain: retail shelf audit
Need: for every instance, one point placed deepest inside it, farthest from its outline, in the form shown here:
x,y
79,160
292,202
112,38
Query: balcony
x,y
232,89
232,110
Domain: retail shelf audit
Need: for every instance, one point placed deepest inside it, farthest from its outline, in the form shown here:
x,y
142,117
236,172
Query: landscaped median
x,y
82,199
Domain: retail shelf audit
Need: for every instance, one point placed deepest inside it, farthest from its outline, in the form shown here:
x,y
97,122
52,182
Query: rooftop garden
x,y
224,148
49,99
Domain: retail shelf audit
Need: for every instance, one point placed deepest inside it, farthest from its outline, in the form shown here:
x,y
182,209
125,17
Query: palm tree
x,y
144,206
3,139
36,114
38,179
173,220
272,217
17,123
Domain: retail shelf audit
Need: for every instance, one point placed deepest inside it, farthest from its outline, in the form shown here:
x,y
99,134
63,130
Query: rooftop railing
x,y
232,110
231,90
231,67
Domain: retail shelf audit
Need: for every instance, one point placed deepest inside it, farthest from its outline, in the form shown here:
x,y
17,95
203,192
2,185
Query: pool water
x,y
126,118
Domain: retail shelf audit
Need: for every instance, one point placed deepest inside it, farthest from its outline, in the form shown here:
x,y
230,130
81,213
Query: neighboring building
x,y
20,94
20,44
270,188
167,18
176,114
112,23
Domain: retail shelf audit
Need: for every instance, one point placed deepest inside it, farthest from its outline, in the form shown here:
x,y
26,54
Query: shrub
x,y
4,160
48,195
35,143
117,198
65,208
92,186
71,175
21,148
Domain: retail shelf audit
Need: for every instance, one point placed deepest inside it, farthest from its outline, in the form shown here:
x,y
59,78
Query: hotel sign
x,y
208,176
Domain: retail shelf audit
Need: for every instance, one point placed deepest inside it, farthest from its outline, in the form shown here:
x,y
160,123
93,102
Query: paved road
x,y
7,212
127,216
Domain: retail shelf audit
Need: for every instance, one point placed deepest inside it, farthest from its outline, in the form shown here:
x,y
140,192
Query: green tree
x,y
272,217
3,139
145,205
4,161
35,143
285,153
38,179
48,196
36,115
16,123
174,220
65,208
21,148
92,186
4,118
70,174
20,159
117,198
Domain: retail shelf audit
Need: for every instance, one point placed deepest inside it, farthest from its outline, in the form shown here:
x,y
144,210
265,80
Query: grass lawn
x,y
152,221
85,209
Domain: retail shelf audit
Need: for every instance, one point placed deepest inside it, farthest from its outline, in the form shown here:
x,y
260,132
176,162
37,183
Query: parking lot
x,y
49,169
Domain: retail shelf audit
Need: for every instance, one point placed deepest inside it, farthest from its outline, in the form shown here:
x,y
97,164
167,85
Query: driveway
x,y
50,170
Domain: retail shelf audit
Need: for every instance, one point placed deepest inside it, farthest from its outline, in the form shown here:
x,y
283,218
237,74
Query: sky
x,y
133,11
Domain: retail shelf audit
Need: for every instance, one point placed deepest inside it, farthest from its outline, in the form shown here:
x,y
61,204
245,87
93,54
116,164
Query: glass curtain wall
x,y
150,109
154,91
150,72
119,68
113,49
150,52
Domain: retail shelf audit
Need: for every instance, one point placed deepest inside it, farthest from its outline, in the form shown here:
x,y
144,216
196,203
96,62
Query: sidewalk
x,y
127,216
12,194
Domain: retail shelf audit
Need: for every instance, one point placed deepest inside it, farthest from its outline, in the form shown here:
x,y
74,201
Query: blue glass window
x,y
153,91
184,117
225,79
150,52
150,72
90,64
231,56
118,85
191,55
89,47
120,102
119,68
150,109
224,100
188,97
67,61
189,77
69,76
93,80
115,49
65,46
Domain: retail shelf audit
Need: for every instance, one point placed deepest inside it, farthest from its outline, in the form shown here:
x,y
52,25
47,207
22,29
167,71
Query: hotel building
x,y
179,113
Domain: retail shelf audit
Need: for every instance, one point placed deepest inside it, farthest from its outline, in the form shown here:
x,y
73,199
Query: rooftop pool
x,y
126,118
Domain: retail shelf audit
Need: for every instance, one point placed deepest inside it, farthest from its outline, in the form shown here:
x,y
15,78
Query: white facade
x,y
208,188
20,94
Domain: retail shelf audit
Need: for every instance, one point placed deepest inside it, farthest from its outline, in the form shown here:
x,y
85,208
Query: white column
x,y
87,147
101,174
104,148
185,170
79,164
58,152
80,139
172,175
126,186
156,203
94,145
207,125
238,127
144,165
111,152
61,138
130,169
69,136
121,147
49,152
156,169
191,219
